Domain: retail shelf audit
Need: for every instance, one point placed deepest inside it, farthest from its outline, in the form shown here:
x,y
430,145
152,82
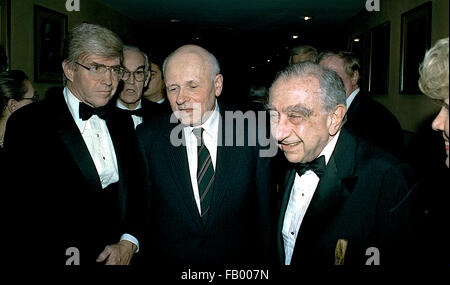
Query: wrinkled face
x,y
337,65
191,87
302,57
297,119
441,123
134,62
156,83
94,91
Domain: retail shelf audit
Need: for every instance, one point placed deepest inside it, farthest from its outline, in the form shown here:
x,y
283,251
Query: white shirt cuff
x,y
131,239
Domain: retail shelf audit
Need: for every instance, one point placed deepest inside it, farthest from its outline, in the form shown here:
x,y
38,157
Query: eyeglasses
x,y
99,70
35,97
138,75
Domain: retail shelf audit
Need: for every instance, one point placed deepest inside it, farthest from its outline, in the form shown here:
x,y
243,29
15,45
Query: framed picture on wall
x,y
379,59
5,34
415,40
50,28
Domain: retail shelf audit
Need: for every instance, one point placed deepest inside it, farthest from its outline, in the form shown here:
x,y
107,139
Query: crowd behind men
x,y
108,181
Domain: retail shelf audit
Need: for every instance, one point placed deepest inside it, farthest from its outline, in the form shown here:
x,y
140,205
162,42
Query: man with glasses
x,y
135,77
73,202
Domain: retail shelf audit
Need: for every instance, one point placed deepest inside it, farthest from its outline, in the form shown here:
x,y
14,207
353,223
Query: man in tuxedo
x,y
135,79
73,202
209,201
342,195
365,116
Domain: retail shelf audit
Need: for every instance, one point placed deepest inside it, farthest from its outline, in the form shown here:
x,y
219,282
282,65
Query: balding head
x,y
209,59
193,81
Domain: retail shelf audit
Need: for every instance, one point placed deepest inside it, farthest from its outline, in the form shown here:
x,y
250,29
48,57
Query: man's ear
x,y
147,80
355,78
68,71
335,118
218,84
12,105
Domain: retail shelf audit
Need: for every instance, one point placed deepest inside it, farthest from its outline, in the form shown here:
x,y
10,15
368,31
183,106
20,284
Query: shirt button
x,y
103,158
292,233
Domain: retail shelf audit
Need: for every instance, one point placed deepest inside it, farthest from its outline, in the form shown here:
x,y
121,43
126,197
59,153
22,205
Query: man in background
x,y
302,53
365,116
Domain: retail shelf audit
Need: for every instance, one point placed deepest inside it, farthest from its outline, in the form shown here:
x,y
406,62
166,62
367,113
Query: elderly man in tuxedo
x,y
80,156
209,201
342,195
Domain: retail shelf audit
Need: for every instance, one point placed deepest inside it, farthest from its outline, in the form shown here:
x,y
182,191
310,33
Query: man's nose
x,y
108,77
181,97
438,122
280,129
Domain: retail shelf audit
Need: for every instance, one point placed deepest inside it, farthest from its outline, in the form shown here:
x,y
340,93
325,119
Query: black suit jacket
x,y
372,121
240,227
152,109
56,196
360,199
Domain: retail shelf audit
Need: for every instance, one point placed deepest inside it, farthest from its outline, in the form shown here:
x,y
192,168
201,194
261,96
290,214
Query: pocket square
x,y
339,252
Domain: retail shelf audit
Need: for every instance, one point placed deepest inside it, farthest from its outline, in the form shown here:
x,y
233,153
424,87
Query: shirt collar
x,y
329,148
211,125
351,97
121,106
74,105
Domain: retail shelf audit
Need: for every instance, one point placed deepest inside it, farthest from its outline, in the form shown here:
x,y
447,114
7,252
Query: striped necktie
x,y
205,173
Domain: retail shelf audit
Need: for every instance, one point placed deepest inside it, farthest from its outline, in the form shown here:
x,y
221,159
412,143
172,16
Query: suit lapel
x,y
334,188
122,134
224,171
72,139
179,166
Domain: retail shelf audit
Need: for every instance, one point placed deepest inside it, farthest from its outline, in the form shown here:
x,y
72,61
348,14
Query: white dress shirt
x,y
136,119
302,193
98,141
351,97
210,136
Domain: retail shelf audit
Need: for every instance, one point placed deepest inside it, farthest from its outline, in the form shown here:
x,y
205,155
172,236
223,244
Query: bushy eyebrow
x,y
299,109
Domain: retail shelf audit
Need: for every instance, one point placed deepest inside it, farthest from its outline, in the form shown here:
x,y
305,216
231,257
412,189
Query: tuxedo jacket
x,y
56,194
359,199
241,223
372,121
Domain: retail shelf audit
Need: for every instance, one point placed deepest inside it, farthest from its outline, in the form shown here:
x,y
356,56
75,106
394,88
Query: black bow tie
x,y
317,165
87,111
137,112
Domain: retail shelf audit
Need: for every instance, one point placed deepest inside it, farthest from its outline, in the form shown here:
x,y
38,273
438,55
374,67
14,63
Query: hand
x,y
118,254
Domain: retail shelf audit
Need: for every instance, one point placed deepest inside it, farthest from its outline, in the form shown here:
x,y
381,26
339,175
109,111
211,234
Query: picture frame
x,y
415,41
379,59
5,35
50,29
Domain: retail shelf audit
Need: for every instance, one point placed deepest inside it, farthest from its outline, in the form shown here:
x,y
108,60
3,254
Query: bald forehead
x,y
191,54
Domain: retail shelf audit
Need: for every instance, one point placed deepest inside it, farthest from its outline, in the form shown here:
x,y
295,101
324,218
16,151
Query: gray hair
x,y
333,90
351,61
433,71
211,59
303,50
136,49
86,39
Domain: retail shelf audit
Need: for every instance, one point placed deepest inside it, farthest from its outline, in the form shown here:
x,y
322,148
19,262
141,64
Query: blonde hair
x,y
86,39
433,71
